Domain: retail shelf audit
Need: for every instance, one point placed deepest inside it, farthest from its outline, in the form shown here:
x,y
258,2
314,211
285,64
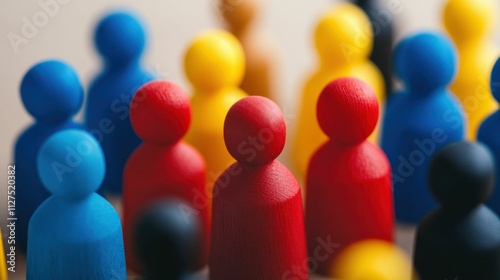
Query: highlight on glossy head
x,y
214,60
344,34
71,164
51,91
160,112
425,61
347,110
120,36
254,131
468,20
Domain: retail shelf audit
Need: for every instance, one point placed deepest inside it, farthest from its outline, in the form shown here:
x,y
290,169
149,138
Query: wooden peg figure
x,y
373,259
488,135
52,93
470,25
257,218
75,233
163,166
167,240
383,29
120,39
343,39
460,239
214,63
420,120
348,184
3,266
260,72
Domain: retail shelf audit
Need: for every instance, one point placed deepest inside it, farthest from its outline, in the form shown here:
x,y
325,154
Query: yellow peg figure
x,y
469,24
343,41
375,260
214,64
3,265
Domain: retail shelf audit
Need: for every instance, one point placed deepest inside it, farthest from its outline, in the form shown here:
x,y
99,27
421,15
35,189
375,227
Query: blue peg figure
x,y
383,30
76,233
52,93
420,120
120,39
488,135
168,240
460,240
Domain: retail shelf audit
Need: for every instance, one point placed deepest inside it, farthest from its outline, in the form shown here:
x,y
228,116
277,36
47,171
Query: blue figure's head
x,y
120,37
51,91
461,175
425,62
71,164
495,80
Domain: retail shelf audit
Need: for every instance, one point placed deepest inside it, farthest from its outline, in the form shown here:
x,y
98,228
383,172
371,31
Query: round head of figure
x,y
160,112
372,259
461,175
495,80
254,131
71,164
165,241
214,60
347,111
51,91
425,62
343,35
467,20
120,37
238,14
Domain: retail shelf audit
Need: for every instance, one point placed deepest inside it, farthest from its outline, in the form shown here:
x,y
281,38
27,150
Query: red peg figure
x,y
348,185
257,215
163,166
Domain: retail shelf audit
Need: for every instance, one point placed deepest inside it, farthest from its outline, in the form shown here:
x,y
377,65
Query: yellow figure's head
x,y
373,259
467,20
343,35
214,60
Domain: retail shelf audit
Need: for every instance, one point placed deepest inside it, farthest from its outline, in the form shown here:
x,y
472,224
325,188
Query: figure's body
x,y
257,218
214,65
167,240
108,104
340,55
469,24
75,233
460,240
52,93
260,55
383,38
163,167
348,184
420,120
488,135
